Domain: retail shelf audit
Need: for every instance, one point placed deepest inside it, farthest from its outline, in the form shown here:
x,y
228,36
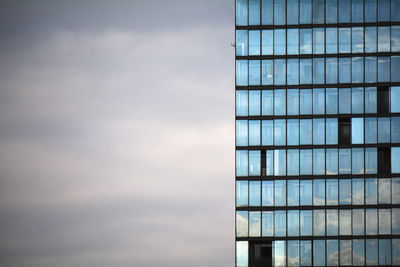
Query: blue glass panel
x,y
357,70
396,192
395,159
293,223
395,38
383,130
357,130
371,187
331,41
293,41
305,71
384,191
267,223
358,221
344,11
370,39
254,193
305,132
305,41
331,101
331,70
254,223
306,162
345,224
395,68
280,162
267,12
319,161
254,43
383,39
396,241
394,99
269,163
279,257
370,70
267,41
242,72
318,40
305,11
254,102
293,101
332,221
319,253
241,133
318,131
344,40
267,101
370,99
358,252
357,39
384,10
332,252
395,7
267,72
292,12
293,132
357,100
280,42
319,193
293,193
279,71
242,223
254,72
242,253
305,253
242,193
306,222
318,11
332,161
344,70
318,101
357,11
279,12
385,252
357,161
242,103
293,162
395,221
371,160
242,163
292,71
254,132
345,192
241,12
371,221
293,253
306,193
371,251
331,11
267,193
280,102
279,132
383,69
344,101
344,161
318,70
267,134
242,43
254,163
370,10
254,12
395,128
280,223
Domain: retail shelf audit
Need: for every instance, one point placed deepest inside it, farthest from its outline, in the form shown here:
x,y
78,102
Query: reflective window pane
x,y
280,223
267,10
242,43
385,252
267,42
254,193
332,222
332,187
345,253
371,221
254,43
293,223
254,12
242,253
371,189
242,223
371,249
242,193
319,253
332,252
267,193
358,222
267,223
255,223
306,222
305,192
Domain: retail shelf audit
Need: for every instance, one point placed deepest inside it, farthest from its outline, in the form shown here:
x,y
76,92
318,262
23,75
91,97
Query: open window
x,y
260,254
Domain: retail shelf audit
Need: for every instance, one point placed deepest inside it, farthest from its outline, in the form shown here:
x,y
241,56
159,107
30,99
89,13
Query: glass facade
x,y
317,132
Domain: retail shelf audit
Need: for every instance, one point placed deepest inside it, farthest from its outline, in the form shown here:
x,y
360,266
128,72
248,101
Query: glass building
x,y
317,133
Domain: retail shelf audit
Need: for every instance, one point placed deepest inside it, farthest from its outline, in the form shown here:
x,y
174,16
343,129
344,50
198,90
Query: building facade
x,y
317,132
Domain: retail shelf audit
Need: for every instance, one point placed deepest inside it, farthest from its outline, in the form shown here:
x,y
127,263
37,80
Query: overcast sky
x,y
117,133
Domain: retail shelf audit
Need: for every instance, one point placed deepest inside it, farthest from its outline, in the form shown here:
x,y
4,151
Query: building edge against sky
x,y
317,132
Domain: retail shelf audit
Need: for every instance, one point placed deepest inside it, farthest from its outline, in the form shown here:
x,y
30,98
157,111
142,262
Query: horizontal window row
x,y
330,161
331,252
292,12
317,71
317,101
331,222
330,40
317,192
317,131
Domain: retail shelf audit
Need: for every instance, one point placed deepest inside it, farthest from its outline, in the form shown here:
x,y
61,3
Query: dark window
x,y
383,100
344,131
260,254
263,162
384,160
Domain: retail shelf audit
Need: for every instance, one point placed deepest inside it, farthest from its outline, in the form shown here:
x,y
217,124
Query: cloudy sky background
x,y
116,133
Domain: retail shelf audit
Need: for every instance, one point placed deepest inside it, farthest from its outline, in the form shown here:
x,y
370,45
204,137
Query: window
x,y
357,130
242,223
345,252
254,193
254,12
254,132
332,219
267,42
241,12
332,252
242,43
255,223
242,193
395,159
254,43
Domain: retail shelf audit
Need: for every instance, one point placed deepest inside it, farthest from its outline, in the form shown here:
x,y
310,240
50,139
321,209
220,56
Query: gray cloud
x,y
116,142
